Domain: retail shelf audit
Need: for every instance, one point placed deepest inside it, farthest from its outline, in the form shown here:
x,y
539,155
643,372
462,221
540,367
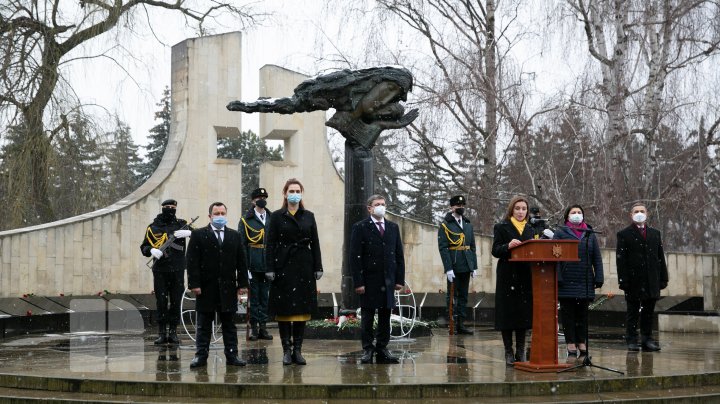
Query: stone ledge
x,y
689,323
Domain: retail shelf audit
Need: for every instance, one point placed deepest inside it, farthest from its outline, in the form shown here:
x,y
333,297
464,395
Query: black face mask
x,y
459,211
261,203
168,213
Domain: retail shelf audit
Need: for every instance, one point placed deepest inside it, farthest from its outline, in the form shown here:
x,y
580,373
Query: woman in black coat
x,y
577,281
513,286
293,264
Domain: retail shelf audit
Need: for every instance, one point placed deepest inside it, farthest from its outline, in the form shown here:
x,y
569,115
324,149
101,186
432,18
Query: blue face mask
x,y
294,198
219,221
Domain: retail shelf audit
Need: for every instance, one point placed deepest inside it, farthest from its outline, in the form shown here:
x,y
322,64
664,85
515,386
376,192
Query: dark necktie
x,y
380,228
219,237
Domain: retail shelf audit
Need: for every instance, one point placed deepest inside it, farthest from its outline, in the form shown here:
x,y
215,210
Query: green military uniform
x,y
252,227
456,242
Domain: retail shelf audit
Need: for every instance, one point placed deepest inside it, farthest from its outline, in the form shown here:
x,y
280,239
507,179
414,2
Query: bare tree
x,y
37,39
644,50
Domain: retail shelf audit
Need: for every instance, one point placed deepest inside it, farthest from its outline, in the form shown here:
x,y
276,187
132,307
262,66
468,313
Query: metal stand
x,y
586,360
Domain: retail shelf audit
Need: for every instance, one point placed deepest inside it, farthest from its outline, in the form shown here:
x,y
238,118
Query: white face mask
x,y
639,217
576,218
379,211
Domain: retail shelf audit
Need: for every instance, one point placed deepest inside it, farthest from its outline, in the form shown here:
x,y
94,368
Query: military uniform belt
x,y
256,245
461,248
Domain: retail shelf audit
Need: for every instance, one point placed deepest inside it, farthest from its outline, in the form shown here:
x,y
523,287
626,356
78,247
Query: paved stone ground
x,y
439,368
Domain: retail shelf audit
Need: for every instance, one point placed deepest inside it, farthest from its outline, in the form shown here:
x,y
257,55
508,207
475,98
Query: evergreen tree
x,y
122,163
427,195
15,212
159,136
253,151
76,172
386,176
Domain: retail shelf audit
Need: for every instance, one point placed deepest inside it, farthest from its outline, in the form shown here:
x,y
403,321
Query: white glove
x,y
474,273
249,275
450,275
182,233
157,254
548,233
318,275
270,276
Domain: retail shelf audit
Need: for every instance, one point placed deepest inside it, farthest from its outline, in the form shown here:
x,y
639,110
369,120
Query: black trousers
x,y
634,314
169,289
203,332
383,328
462,283
574,317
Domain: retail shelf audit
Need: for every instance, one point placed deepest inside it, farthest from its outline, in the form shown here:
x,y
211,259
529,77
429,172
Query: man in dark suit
x,y
378,265
456,242
217,274
642,273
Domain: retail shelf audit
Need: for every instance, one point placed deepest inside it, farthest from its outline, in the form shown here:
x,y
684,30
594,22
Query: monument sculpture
x,y
367,101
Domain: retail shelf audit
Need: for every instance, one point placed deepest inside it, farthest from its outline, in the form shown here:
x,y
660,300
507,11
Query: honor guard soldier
x,y
168,268
456,242
252,227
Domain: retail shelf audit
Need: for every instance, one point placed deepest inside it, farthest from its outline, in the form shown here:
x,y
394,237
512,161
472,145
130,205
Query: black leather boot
x,y
172,337
253,332
284,328
461,330
162,335
263,334
298,330
509,357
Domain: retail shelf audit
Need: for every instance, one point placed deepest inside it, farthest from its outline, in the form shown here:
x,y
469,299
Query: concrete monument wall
x,y
99,251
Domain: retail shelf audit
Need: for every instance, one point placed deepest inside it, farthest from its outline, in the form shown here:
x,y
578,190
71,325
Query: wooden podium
x,y
543,256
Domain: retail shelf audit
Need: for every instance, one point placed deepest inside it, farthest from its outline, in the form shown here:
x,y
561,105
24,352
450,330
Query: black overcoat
x,y
641,267
293,254
219,271
513,285
377,262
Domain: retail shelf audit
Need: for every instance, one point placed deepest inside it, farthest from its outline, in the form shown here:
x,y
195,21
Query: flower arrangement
x,y
341,322
600,300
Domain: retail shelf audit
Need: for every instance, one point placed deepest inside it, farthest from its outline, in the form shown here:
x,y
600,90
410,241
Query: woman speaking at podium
x,y
513,287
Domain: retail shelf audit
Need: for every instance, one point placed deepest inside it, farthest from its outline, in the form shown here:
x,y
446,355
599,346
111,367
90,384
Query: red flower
x,y
62,294
28,313
24,296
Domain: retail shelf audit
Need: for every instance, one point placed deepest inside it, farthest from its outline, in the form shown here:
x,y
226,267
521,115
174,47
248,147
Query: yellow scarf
x,y
520,226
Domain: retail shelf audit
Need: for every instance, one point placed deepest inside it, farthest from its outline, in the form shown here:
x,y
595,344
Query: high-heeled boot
x,y
298,331
284,328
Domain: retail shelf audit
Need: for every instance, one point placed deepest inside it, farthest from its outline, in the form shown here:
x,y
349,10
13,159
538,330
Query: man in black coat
x,y
217,274
378,266
168,268
642,273
456,242
252,231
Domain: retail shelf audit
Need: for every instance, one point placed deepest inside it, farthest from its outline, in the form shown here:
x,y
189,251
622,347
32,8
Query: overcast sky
x,y
131,85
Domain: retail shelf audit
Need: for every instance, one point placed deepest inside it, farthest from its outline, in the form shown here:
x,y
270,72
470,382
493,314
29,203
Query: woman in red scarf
x,y
577,281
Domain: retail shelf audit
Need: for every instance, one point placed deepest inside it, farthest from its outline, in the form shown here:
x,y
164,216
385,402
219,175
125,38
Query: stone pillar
x,y
359,175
